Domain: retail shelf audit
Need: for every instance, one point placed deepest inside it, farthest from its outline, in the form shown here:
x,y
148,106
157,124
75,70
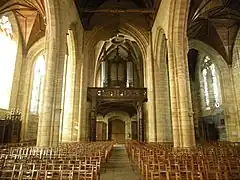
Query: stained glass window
x,y
205,85
210,80
37,88
7,59
215,85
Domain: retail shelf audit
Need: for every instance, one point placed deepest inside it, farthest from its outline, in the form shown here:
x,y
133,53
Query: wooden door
x,y
118,131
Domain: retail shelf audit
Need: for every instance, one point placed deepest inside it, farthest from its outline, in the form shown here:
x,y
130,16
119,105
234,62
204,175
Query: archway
x,y
226,110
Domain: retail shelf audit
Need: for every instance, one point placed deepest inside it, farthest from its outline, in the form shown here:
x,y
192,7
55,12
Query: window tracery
x,y
205,84
210,84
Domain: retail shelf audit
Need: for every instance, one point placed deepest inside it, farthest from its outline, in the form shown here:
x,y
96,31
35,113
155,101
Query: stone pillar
x,y
150,105
69,125
130,74
77,55
174,104
182,115
236,85
104,70
83,104
61,139
76,89
49,123
230,99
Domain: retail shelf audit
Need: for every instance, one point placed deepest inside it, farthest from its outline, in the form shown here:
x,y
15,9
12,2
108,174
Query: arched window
x,y
205,85
7,59
37,88
210,84
216,91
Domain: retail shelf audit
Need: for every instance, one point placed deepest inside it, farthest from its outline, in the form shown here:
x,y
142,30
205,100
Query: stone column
x,y
49,123
67,128
183,128
83,104
77,58
236,86
150,105
104,70
184,93
230,98
63,101
173,96
130,74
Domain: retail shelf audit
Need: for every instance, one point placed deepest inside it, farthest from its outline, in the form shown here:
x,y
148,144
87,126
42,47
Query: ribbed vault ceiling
x,y
30,17
215,22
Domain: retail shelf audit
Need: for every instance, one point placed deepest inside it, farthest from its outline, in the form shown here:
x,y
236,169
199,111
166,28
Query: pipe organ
x,y
117,72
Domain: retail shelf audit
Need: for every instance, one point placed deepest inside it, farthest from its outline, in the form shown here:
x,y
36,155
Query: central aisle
x,y
119,166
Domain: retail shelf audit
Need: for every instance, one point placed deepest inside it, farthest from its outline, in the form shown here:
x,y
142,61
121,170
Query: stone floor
x,y
119,166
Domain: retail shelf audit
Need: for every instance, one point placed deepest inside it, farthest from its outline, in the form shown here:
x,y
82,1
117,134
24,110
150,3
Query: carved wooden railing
x,y
118,93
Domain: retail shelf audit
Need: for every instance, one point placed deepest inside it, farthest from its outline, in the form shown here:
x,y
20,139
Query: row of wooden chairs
x,y
50,171
162,161
54,163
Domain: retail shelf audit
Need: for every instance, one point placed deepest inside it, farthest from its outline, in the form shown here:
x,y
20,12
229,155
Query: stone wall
x,y
32,127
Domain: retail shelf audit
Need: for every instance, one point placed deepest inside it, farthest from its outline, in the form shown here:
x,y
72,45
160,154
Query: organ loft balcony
x,y
117,94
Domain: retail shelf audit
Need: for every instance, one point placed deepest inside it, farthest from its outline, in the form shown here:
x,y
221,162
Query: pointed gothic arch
x,y
227,91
